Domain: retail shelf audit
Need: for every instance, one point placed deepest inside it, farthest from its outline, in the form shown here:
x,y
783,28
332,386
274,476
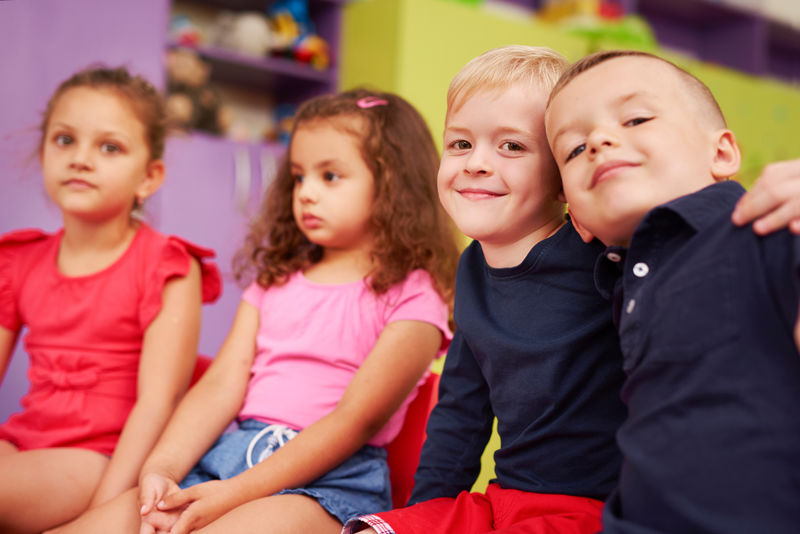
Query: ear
x,y
585,234
153,178
727,157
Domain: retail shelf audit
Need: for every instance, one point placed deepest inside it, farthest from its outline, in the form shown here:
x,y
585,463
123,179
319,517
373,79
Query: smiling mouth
x,y
478,194
608,170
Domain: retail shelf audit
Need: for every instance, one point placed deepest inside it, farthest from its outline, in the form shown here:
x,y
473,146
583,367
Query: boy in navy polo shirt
x,y
706,311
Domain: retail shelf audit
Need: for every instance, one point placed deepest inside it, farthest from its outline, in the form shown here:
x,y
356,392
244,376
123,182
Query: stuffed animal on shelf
x,y
191,102
248,33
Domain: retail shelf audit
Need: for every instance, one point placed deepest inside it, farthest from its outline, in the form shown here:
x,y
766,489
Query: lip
x,y
77,183
608,170
476,193
311,221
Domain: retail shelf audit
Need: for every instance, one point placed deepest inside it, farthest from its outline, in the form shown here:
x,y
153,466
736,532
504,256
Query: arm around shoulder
x,y
774,200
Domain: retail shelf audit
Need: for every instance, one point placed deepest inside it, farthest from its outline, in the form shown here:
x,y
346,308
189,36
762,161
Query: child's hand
x,y
152,490
199,505
774,200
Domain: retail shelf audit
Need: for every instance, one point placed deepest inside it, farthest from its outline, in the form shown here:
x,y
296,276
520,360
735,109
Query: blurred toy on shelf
x,y
184,32
246,32
191,101
282,124
295,36
560,10
312,49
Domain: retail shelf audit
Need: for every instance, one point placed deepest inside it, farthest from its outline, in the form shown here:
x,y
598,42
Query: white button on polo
x,y
630,307
613,256
641,269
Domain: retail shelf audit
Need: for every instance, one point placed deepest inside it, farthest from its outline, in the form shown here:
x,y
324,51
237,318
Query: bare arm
x,y
204,412
169,351
8,338
401,355
774,200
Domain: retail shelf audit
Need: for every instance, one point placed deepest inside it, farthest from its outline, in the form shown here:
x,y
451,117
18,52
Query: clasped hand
x,y
166,509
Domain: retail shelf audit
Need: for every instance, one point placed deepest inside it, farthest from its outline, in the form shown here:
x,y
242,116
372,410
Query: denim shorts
x,y
358,486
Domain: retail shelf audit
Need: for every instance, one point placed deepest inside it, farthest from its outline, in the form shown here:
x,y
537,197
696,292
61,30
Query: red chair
x,y
403,451
199,368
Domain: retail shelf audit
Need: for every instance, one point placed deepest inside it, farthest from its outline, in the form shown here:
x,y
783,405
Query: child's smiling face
x,y
497,179
628,135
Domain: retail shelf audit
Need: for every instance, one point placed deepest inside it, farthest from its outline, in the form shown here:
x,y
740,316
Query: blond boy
x,y
534,345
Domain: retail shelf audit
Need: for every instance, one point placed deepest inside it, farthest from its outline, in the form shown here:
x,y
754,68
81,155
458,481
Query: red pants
x,y
499,510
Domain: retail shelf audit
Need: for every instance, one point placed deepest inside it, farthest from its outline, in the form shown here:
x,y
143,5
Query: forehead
x,y
625,75
515,105
107,106
327,139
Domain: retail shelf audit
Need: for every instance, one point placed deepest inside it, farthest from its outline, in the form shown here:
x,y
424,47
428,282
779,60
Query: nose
x,y
599,139
81,158
478,163
306,191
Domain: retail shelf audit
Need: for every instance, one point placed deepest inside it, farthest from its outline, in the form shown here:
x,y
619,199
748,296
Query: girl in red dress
x,y
112,307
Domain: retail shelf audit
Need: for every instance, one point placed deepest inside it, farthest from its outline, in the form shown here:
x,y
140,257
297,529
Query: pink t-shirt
x,y
313,337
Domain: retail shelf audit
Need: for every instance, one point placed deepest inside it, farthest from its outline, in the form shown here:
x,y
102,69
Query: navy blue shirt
x,y
535,346
706,312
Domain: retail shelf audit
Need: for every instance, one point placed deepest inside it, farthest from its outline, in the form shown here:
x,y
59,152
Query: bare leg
x,y
7,447
279,514
46,487
119,515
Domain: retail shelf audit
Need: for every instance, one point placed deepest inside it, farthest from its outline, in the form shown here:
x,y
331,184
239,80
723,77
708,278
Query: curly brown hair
x,y
410,228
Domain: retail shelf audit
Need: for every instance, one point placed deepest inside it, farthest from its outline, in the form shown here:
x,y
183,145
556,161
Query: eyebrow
x,y
622,99
122,134
502,130
321,165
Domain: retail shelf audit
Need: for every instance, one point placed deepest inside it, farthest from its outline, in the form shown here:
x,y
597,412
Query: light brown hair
x,y
699,94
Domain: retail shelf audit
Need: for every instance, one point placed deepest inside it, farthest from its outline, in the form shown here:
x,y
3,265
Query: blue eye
x,y
110,148
63,140
331,176
637,121
576,151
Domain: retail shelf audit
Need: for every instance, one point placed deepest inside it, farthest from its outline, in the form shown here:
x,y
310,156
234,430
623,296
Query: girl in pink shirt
x,y
353,262
111,306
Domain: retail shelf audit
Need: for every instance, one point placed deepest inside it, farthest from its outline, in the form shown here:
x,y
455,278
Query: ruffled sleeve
x,y
173,261
12,253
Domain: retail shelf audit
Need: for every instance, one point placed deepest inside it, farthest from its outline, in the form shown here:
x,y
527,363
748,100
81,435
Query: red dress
x,y
85,333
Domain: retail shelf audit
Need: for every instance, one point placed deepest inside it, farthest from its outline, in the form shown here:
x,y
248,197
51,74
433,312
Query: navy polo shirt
x,y
535,346
705,313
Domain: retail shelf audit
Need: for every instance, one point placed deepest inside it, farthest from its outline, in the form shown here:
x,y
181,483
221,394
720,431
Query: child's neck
x,y
340,267
502,255
87,248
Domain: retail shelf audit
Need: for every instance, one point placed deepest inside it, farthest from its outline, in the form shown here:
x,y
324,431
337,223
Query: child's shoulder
x,y
27,241
169,256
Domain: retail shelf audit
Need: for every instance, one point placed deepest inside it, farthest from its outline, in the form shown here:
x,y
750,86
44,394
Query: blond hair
x,y
500,68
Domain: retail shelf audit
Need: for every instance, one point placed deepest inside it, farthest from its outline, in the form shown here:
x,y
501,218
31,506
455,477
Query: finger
x,y
162,520
752,205
176,499
184,525
777,219
794,226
